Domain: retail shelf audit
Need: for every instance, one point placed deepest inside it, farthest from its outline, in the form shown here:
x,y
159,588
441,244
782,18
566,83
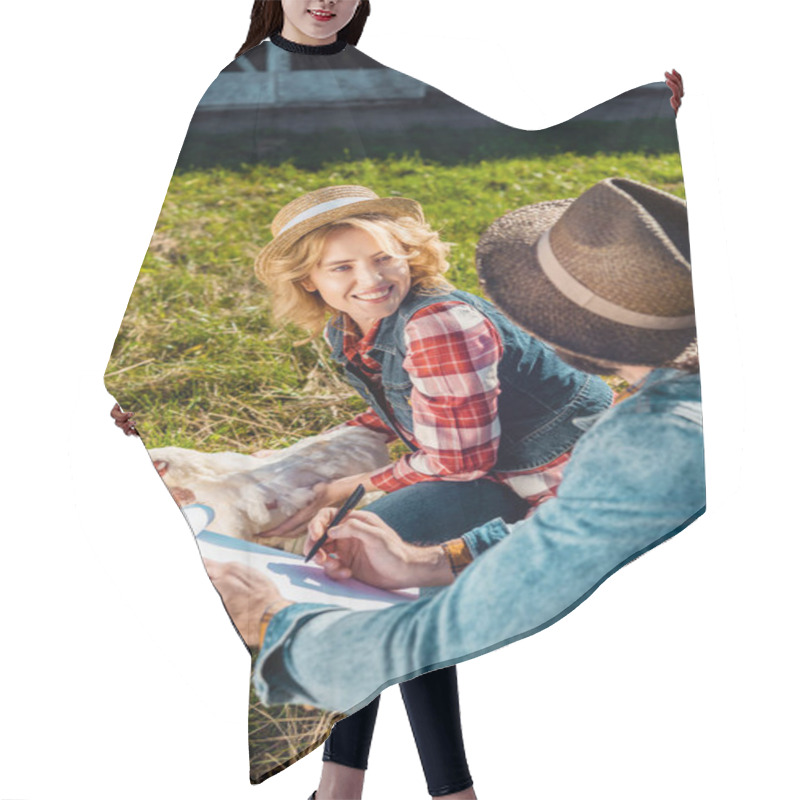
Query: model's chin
x,y
377,312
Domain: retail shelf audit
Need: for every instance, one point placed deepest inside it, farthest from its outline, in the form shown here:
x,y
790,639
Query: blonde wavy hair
x,y
401,237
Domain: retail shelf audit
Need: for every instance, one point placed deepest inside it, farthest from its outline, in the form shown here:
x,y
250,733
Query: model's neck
x,y
306,45
633,374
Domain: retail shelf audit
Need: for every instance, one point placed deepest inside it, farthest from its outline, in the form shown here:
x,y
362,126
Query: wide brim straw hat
x,y
323,207
606,275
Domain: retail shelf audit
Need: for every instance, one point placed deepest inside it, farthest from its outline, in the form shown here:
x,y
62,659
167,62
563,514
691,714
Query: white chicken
x,y
250,494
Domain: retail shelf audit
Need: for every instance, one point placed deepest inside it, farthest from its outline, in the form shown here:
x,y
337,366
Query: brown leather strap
x,y
124,420
675,83
458,555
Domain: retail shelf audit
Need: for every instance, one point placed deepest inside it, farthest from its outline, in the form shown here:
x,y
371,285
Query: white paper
x,y
296,580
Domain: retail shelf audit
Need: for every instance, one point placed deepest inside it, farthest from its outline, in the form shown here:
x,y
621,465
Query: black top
x,y
308,49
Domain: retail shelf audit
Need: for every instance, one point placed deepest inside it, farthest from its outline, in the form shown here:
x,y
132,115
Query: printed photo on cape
x,y
244,411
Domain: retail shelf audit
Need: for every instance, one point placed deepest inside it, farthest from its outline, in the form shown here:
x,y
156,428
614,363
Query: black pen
x,y
349,505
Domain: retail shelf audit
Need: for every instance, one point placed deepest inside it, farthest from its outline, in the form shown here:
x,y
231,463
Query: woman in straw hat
x,y
486,410
607,279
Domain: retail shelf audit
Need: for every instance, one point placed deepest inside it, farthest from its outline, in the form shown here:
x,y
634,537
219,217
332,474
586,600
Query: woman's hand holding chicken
x,y
331,493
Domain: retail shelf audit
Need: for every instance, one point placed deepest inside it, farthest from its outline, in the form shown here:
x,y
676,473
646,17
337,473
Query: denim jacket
x,y
634,480
540,395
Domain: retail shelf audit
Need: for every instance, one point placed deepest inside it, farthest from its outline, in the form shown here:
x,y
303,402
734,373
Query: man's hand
x,y
364,547
247,594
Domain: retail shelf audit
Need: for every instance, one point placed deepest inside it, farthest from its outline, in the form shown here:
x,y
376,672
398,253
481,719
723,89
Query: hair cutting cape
x,y
212,377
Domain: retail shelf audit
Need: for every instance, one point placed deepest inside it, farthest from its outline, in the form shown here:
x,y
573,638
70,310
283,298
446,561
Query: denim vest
x,y
540,395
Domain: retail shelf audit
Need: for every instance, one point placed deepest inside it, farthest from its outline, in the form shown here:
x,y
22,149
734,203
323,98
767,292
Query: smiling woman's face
x,y
315,22
356,277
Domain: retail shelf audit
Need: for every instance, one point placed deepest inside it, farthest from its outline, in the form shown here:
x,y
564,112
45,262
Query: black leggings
x,y
432,706
428,512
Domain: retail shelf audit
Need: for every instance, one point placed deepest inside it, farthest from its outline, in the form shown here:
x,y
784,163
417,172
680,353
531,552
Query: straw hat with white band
x,y
605,275
322,207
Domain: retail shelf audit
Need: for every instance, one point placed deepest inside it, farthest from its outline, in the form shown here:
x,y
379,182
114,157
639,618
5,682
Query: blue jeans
x,y
435,511
430,512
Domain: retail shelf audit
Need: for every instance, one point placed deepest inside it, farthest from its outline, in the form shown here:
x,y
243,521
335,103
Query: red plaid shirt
x,y
452,356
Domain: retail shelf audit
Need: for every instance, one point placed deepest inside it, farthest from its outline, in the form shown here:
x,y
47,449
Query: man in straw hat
x,y
606,279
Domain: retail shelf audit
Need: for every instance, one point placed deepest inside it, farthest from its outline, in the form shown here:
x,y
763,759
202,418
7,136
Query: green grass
x,y
280,735
198,357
